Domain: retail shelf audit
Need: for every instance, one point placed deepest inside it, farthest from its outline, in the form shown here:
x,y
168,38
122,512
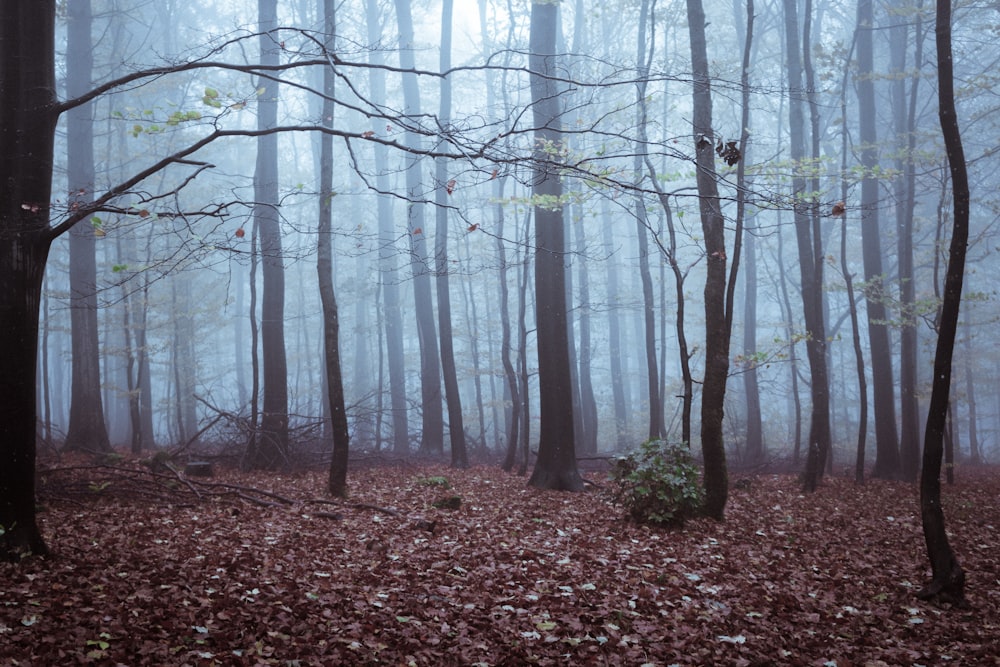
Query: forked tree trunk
x,y
810,264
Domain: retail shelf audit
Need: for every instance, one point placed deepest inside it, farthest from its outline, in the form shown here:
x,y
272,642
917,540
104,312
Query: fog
x,y
432,200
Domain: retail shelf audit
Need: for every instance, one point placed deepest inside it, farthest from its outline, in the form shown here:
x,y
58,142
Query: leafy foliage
x,y
436,480
658,484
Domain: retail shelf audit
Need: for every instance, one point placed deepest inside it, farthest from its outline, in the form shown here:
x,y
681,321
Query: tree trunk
x,y
970,395
810,264
948,579
388,272
755,429
886,440
27,130
656,430
522,347
337,479
904,120
271,449
505,341
432,434
713,392
556,464
588,403
456,424
615,350
87,430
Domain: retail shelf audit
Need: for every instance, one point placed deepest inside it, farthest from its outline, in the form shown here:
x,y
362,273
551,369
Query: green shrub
x,y
658,484
440,482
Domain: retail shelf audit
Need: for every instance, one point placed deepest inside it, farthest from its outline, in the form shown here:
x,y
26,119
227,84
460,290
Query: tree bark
x,y
717,335
904,186
886,439
948,579
28,118
556,464
755,451
388,272
337,478
87,430
443,187
615,348
656,429
271,449
810,264
432,434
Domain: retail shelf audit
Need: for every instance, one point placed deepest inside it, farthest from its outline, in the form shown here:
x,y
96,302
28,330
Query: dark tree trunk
x,y
656,429
337,479
717,334
886,439
87,430
810,265
271,449
388,272
432,434
456,424
670,252
27,130
948,578
556,464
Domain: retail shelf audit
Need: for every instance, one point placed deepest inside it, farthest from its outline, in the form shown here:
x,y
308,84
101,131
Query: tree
x,y
948,579
388,273
556,464
840,211
904,187
656,429
432,434
717,324
87,430
28,118
755,431
883,392
270,447
337,480
810,253
444,187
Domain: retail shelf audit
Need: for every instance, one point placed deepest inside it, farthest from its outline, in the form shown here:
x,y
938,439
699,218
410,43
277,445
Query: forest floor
x,y
160,570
